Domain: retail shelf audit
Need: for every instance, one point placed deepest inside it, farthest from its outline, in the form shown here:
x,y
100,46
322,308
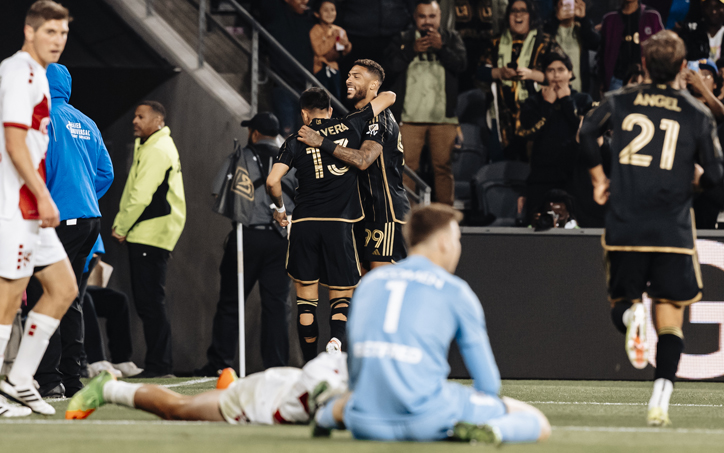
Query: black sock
x,y
309,349
338,328
668,353
617,315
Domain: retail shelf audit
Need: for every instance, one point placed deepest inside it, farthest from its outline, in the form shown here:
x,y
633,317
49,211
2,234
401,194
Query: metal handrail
x,y
423,193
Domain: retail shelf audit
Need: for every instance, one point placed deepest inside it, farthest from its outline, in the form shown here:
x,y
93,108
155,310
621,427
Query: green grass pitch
x,y
587,416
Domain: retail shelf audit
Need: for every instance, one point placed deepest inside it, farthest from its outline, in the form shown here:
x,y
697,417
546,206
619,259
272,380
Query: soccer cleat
x,y
89,398
226,378
334,346
27,395
319,431
8,410
468,432
637,349
657,417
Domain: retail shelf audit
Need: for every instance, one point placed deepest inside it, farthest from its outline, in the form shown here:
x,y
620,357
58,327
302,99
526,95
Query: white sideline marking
x,y
616,429
102,422
191,382
604,429
594,403
168,386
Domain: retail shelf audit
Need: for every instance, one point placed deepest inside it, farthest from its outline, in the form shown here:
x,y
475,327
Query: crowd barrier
x,y
548,315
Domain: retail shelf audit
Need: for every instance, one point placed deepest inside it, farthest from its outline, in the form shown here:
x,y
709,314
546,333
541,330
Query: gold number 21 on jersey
x,y
629,156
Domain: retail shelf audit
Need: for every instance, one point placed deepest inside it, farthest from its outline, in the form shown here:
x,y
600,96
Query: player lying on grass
x,y
402,322
277,395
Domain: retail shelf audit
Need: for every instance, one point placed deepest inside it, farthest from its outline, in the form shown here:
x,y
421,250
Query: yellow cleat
x,y
657,417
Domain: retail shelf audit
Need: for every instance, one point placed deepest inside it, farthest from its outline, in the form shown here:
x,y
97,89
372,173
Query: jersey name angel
x,y
658,100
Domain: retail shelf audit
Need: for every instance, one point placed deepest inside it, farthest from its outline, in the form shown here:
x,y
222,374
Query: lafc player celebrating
x,y
321,243
379,237
660,134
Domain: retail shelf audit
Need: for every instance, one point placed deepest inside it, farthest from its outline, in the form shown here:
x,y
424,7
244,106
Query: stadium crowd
x,y
490,91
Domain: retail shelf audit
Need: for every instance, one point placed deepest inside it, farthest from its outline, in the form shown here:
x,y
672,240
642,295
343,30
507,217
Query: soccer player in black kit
x,y
321,242
379,236
664,143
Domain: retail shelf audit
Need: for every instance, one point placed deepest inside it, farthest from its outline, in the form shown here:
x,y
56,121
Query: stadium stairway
x,y
172,30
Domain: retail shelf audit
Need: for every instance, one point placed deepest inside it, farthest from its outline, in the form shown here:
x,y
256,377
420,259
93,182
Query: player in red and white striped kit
x,y
28,242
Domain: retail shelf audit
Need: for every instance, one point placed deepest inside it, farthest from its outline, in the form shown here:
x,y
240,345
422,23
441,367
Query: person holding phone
x,y
514,63
576,35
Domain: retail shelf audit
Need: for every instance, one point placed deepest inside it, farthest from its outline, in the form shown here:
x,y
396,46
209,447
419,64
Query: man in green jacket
x,y
150,220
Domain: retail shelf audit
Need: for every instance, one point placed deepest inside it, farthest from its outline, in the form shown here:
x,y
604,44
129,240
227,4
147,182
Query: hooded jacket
x,y
153,204
78,168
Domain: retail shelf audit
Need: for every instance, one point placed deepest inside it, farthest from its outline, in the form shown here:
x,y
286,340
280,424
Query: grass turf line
x,y
578,426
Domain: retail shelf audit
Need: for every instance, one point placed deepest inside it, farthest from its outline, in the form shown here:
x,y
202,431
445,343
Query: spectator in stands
x,y
635,75
622,34
704,84
692,31
150,220
289,22
371,24
79,172
677,12
555,211
550,119
576,35
330,43
425,62
265,251
477,22
515,63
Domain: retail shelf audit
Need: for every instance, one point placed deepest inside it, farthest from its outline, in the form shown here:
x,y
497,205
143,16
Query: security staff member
x,y
265,250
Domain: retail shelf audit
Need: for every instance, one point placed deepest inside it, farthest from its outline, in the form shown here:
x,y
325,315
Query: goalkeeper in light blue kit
x,y
402,321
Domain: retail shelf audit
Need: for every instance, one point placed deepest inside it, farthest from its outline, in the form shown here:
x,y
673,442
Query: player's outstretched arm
x,y
383,101
361,158
274,189
20,155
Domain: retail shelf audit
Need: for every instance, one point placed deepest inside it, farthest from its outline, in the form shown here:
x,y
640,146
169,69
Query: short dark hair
x,y
532,14
373,67
664,52
44,10
155,106
318,4
423,222
425,2
315,98
551,57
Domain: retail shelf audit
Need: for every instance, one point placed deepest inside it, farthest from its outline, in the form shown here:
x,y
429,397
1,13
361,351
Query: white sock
x,y
662,394
38,330
628,316
122,393
5,332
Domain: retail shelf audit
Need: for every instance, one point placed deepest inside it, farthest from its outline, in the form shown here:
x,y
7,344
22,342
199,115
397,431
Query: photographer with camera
x,y
514,62
556,211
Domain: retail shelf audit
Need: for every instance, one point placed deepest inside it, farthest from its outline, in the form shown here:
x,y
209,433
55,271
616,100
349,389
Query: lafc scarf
x,y
505,54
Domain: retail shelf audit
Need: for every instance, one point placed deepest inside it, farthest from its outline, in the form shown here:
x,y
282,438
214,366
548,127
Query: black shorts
x,y
324,252
666,277
380,242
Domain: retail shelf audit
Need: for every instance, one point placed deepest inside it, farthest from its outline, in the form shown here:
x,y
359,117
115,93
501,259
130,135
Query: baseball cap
x,y
708,63
265,122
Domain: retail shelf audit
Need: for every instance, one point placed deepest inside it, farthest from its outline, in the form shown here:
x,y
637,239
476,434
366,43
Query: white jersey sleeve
x,y
17,94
